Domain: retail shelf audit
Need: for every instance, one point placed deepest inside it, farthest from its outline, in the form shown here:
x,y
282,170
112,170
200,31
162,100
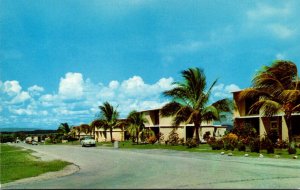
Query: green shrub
x,y
230,141
254,144
292,149
191,143
215,144
241,146
266,143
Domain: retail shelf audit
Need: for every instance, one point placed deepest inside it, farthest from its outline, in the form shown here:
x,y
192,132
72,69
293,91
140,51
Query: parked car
x,y
88,141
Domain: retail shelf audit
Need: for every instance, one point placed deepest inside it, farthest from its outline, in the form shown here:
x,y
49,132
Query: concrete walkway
x,y
118,168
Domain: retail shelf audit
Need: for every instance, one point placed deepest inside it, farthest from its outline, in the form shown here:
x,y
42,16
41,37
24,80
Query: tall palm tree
x,y
109,117
136,121
190,101
278,91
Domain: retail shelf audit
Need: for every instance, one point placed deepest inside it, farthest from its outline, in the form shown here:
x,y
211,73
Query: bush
x,y
267,144
191,143
151,139
281,144
215,144
292,150
241,146
173,138
254,144
230,141
181,141
160,137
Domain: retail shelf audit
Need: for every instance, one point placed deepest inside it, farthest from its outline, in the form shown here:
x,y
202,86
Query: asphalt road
x,y
118,168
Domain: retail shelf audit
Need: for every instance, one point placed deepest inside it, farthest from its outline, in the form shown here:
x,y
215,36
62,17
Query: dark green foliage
x,y
267,144
216,144
191,143
254,144
241,146
292,149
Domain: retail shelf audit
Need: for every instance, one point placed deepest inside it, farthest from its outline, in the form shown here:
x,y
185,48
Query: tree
x,y
190,101
109,118
278,91
136,121
63,130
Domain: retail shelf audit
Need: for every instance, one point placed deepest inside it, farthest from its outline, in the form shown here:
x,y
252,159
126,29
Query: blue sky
x,y
60,60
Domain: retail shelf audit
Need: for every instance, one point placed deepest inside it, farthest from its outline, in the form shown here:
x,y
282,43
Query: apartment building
x,y
263,125
164,126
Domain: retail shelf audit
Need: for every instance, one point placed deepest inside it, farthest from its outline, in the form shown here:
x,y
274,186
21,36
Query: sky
x,y
61,59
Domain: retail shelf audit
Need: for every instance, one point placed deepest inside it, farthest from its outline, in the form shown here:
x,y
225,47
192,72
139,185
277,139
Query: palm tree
x,y
278,91
85,128
109,118
63,129
136,121
190,101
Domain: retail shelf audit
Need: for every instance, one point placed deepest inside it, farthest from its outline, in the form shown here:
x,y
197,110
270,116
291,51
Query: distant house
x,y
263,125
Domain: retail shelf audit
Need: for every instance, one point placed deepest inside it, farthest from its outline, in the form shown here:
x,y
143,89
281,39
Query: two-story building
x,y
263,124
164,126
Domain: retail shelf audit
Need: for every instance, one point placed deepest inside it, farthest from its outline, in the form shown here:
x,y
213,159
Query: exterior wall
x,y
165,125
166,132
117,134
284,129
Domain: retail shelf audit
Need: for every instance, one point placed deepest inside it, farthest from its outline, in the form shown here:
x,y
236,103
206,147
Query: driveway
x,y
102,167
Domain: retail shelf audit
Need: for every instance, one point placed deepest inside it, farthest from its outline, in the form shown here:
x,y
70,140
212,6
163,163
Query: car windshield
x,y
87,138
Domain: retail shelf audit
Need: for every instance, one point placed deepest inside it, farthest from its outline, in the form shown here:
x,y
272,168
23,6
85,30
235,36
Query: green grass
x,y
16,163
206,148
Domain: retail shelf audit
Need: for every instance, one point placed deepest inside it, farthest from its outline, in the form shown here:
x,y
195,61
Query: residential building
x,y
164,126
263,125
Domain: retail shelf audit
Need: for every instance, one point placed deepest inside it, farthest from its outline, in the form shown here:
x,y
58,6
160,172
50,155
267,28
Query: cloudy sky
x,y
61,59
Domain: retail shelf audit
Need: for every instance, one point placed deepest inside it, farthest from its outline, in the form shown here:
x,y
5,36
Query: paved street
x,y
117,168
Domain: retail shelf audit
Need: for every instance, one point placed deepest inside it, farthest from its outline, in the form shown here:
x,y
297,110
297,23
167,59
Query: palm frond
x,y
210,113
224,105
289,95
170,109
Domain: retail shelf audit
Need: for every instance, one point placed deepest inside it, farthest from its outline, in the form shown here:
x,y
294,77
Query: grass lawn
x,y
16,163
206,148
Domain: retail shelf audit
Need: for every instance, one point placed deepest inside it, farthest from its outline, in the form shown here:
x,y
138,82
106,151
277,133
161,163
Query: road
x,y
118,168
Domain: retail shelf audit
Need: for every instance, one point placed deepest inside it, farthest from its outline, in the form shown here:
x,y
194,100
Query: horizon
x,y
60,60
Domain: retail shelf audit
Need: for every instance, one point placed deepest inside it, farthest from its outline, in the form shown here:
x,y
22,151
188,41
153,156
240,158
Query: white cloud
x,y
77,100
21,97
113,84
35,90
71,87
12,87
224,91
